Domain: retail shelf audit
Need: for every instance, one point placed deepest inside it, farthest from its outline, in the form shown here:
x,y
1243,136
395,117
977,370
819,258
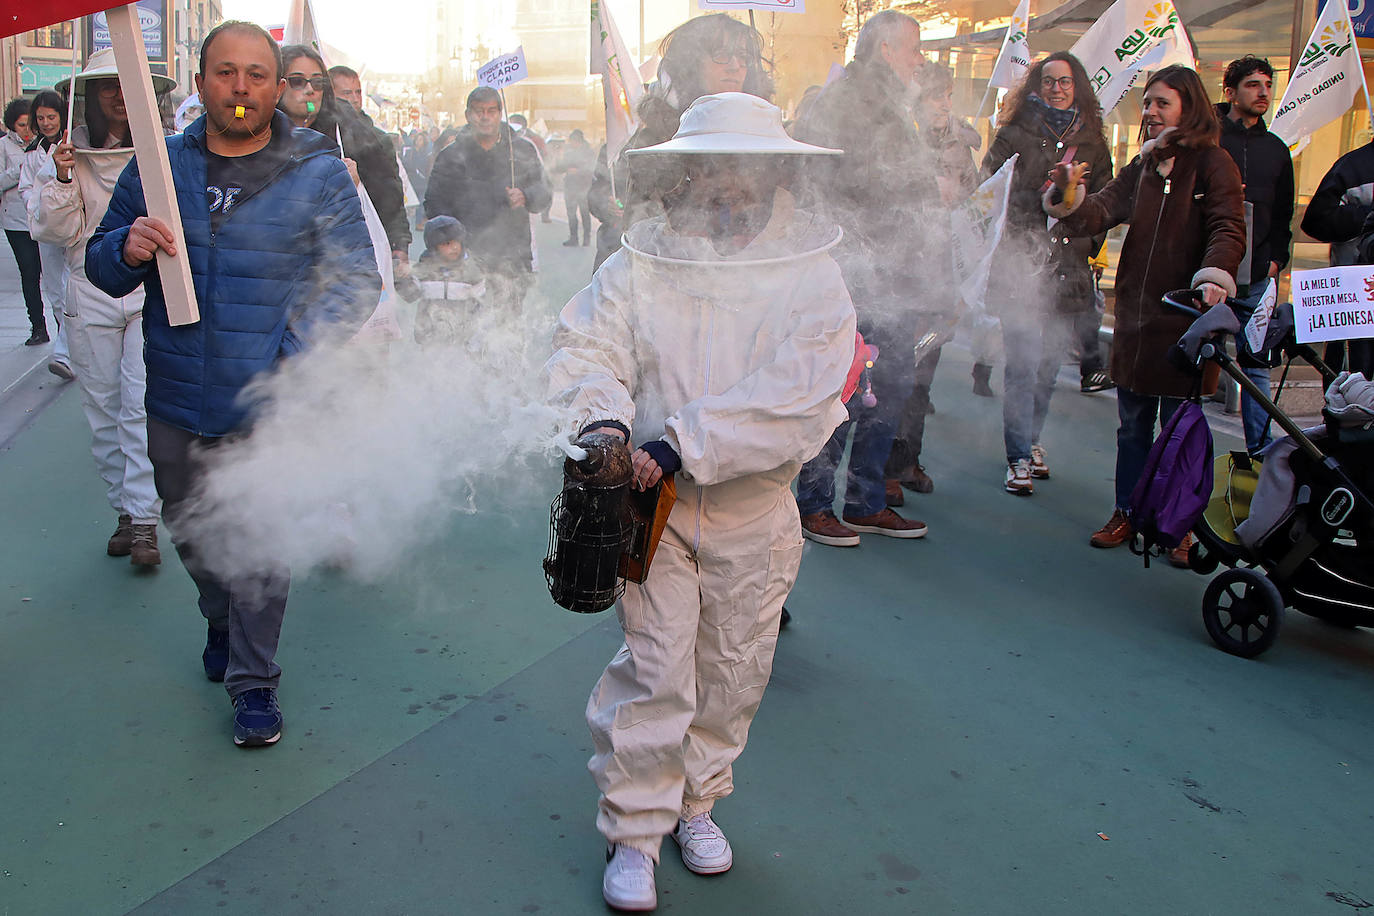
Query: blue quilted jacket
x,y
292,257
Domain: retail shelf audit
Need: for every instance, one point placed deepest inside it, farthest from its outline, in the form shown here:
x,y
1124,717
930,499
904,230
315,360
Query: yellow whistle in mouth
x,y
310,107
238,111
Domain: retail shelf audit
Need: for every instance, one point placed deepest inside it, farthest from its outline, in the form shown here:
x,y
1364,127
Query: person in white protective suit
x,y
48,114
104,335
719,338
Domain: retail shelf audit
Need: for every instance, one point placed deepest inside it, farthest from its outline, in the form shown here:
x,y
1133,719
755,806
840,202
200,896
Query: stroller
x,y
1317,558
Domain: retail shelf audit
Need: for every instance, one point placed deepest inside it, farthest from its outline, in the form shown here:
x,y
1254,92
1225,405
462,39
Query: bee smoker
x,y
591,525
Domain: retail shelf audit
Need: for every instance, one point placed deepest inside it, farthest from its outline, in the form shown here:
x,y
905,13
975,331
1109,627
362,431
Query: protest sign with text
x,y
1335,303
502,71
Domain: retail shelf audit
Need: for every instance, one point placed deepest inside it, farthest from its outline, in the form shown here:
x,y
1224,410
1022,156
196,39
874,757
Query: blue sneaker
x,y
257,717
215,658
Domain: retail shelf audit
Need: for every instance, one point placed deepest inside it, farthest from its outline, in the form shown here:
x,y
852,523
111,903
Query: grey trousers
x,y
249,609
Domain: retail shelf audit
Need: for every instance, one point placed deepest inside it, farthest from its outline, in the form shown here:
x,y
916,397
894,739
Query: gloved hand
x,y
1220,320
1351,397
652,461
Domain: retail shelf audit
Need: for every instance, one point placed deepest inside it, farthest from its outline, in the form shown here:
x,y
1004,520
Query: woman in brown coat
x,y
1182,197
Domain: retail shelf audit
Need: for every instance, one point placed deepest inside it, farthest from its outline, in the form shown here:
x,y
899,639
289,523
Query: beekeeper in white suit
x,y
104,335
718,339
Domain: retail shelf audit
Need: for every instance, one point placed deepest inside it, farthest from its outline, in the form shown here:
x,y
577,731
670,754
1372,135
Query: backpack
x,y
1176,485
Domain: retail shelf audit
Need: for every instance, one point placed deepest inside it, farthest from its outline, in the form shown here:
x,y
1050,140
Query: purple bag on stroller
x,y
1176,485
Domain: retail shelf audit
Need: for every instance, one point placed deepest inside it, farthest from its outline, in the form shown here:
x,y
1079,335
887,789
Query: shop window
x,y
51,36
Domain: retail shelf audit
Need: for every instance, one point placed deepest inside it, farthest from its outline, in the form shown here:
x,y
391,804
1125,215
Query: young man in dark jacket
x,y
1266,171
491,181
278,250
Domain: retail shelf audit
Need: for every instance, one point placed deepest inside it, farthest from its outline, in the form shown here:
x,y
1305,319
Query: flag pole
x,y
71,85
510,140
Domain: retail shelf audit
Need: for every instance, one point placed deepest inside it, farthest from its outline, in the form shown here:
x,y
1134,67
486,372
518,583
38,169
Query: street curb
x,y
25,398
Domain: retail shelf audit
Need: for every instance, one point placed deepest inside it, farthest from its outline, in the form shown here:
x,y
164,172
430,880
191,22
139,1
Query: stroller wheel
x,y
1201,560
1242,611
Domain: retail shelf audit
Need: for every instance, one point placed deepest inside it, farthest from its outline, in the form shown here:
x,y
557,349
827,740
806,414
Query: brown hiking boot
x,y
892,492
825,528
1116,532
888,524
1179,555
918,481
122,541
143,549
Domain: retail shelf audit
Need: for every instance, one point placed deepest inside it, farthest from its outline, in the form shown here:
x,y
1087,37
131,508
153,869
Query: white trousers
x,y
672,711
53,259
108,362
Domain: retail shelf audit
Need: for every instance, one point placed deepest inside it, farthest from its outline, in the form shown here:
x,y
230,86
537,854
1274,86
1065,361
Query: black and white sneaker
x,y
257,718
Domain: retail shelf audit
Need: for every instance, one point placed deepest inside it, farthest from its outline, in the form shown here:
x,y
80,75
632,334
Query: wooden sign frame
x,y
154,166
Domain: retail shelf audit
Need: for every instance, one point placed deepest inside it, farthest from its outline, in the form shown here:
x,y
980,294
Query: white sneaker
x,y
628,883
1019,477
705,850
1038,468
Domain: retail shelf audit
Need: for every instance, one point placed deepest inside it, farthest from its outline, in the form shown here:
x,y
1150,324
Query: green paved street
x,y
951,723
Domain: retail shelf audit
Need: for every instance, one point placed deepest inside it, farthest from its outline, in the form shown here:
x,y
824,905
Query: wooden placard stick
x,y
150,148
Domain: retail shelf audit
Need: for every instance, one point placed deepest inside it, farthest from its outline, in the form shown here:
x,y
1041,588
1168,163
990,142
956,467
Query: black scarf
x,y
1058,120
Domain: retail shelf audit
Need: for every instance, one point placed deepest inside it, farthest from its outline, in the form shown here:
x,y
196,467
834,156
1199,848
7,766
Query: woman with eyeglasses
x,y
703,56
308,100
1043,283
104,333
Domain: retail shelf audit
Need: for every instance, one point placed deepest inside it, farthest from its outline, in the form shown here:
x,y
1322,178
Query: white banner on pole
x,y
1324,84
977,226
1335,303
768,6
1131,38
621,83
1014,59
500,72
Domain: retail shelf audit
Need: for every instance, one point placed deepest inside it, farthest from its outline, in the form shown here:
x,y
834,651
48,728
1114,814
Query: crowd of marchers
x,y
766,294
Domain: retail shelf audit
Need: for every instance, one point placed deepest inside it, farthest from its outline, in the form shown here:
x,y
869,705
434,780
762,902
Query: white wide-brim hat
x,y
101,66
735,124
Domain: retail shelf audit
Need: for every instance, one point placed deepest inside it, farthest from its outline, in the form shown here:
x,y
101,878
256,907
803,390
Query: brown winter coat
x,y
1186,229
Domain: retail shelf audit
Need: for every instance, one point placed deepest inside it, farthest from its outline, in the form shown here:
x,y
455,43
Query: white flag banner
x,y
1014,59
1131,38
768,6
1335,303
300,27
1324,84
977,226
500,72
621,84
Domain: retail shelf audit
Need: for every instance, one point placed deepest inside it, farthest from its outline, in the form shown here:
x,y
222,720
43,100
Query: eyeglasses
x,y
319,83
1049,82
724,57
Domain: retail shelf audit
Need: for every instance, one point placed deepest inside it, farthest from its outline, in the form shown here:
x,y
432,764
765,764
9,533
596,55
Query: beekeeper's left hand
x,y
651,461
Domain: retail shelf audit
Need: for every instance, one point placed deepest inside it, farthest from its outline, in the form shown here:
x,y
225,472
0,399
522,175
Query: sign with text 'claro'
x,y
1335,303
504,70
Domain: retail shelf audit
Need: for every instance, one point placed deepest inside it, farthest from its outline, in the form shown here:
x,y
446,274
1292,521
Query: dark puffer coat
x,y
293,256
1057,261
1187,221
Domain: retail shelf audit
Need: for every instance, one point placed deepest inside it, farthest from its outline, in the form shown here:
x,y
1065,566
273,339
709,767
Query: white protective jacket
x,y
735,362
11,204
68,213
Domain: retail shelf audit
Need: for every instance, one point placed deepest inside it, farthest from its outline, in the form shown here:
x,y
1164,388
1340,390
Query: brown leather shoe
x,y
825,528
143,548
918,481
122,541
892,492
1179,555
1116,532
888,524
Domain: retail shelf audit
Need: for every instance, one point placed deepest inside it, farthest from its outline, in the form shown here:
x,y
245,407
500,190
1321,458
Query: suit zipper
x,y
705,390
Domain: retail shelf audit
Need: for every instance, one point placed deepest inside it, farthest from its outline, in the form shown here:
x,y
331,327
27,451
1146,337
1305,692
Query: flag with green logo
x,y
1013,60
976,227
1325,81
1132,37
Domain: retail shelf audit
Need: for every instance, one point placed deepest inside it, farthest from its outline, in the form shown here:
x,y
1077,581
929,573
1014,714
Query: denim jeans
x,y
893,376
30,267
1252,415
1136,435
1035,347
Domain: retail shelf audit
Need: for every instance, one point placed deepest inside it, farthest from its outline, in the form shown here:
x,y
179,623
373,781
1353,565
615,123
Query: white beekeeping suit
x,y
104,334
36,172
737,363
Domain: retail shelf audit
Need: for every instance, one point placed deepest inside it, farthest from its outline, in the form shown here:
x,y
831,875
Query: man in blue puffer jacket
x,y
278,251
